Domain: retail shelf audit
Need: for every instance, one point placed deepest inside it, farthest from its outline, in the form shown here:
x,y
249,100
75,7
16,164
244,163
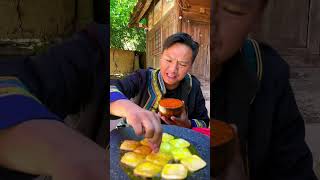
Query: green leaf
x,y
121,36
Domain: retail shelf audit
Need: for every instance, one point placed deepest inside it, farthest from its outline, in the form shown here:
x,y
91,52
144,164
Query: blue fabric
x,y
16,109
114,96
193,123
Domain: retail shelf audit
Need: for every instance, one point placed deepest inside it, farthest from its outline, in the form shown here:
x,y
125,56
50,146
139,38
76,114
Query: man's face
x,y
175,62
232,21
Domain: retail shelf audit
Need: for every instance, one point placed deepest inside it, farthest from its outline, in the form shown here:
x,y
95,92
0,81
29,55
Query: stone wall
x,y
121,61
34,21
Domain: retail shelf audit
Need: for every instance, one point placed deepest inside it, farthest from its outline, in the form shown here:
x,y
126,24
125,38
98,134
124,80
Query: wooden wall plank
x,y
285,24
314,27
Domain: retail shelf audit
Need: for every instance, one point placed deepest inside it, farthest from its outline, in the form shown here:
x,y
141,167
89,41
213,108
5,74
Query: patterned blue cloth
x,y
115,94
18,105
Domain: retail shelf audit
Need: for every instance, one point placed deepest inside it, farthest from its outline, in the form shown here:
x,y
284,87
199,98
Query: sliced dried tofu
x,y
180,153
129,145
132,159
145,142
166,147
159,158
145,150
147,169
174,171
179,143
193,163
166,137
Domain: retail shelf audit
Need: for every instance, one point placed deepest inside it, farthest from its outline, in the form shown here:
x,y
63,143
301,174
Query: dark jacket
x,y
271,129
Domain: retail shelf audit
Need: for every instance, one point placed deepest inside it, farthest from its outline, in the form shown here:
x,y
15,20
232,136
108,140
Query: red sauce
x,y
221,133
171,103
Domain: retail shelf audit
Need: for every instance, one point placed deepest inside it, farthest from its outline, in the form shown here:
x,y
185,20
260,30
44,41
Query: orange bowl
x,y
170,107
221,146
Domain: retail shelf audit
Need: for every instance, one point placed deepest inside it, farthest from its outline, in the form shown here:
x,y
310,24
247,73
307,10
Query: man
x,y
37,93
268,123
148,86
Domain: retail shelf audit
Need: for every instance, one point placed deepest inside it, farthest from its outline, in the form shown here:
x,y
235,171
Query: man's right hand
x,y
148,124
144,122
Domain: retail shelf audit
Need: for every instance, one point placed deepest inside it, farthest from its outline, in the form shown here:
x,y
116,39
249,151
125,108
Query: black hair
x,y
183,38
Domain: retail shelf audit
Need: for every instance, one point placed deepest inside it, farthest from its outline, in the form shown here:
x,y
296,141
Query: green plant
x,y
121,36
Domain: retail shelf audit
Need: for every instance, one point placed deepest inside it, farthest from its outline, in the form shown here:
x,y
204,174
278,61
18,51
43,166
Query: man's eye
x,y
168,60
183,65
234,11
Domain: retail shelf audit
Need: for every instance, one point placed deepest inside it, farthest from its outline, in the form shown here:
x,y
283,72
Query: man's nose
x,y
173,67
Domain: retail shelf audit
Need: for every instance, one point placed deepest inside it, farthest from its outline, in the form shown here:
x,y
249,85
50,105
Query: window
x,y
157,48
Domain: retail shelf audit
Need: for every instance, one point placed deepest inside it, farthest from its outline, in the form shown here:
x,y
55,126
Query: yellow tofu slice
x,y
182,153
145,142
166,147
145,150
174,171
166,137
179,143
147,169
129,145
193,163
132,159
159,158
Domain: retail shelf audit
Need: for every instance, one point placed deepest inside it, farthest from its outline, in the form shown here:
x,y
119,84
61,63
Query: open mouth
x,y
171,76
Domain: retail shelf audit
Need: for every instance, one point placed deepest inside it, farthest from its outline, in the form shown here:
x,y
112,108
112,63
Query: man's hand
x,y
144,122
182,121
235,169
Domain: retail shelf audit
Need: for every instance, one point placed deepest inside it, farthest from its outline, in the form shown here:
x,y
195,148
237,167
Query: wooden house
x,y
166,17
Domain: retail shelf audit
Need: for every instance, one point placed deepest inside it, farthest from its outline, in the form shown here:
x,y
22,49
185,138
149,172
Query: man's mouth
x,y
171,76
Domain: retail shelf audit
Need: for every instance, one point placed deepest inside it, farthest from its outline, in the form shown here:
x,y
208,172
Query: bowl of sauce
x,y
222,142
170,107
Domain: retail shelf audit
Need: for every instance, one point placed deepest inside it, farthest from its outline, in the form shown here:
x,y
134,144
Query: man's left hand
x,y
182,121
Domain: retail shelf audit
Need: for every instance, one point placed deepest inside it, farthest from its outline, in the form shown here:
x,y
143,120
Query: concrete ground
x,y
205,87
306,86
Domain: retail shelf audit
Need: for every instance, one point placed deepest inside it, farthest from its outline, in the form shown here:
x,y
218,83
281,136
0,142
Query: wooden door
x,y
314,28
200,32
292,27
